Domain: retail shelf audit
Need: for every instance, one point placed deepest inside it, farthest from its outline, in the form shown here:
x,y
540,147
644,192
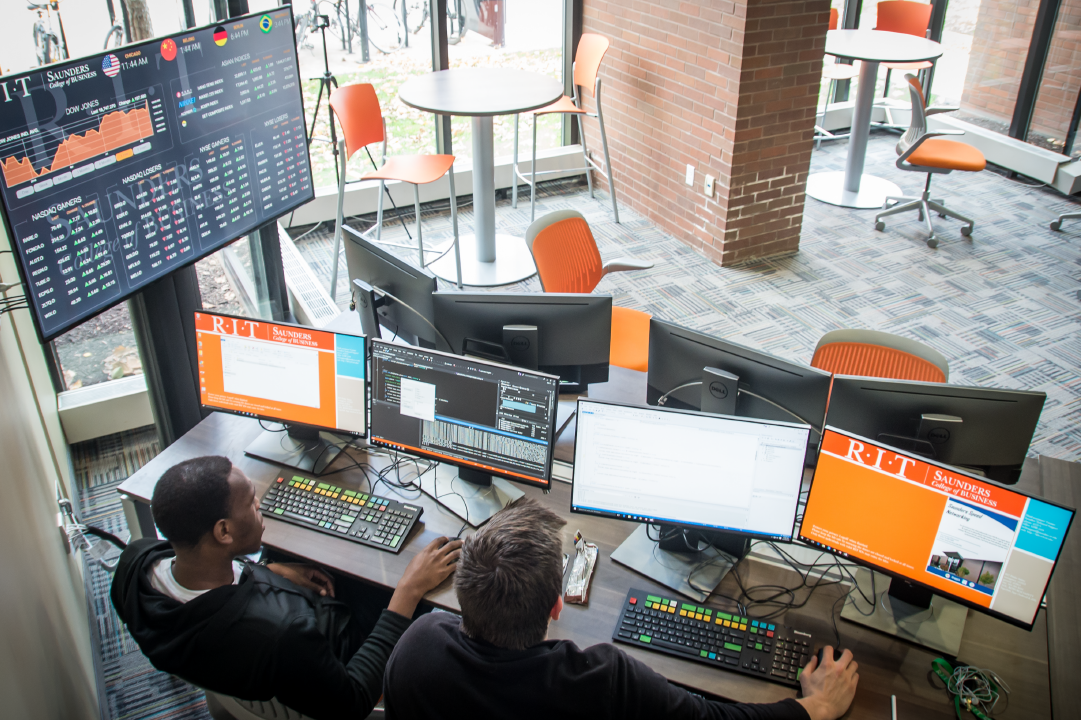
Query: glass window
x,y
101,349
987,44
390,64
522,35
1061,82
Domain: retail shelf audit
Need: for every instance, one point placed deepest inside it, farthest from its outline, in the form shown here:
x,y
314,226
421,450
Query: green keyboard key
x,y
298,479
348,518
758,646
278,511
731,646
704,653
724,616
652,598
688,608
350,493
394,542
323,486
645,638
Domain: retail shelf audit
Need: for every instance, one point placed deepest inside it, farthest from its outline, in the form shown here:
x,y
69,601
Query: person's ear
x,y
557,608
222,532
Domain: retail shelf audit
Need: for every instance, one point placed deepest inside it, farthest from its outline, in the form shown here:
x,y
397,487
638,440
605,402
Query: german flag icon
x,y
220,36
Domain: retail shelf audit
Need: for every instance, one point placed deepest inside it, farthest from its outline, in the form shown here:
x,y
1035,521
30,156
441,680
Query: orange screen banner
x,y
210,329
885,508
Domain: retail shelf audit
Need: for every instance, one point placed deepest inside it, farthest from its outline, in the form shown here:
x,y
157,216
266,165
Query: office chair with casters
x,y
568,262
1057,223
833,71
878,354
923,150
357,109
587,62
910,18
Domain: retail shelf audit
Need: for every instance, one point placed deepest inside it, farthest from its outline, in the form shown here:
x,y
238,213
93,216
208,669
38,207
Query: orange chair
x,y
587,62
833,71
877,354
921,150
568,262
357,109
910,18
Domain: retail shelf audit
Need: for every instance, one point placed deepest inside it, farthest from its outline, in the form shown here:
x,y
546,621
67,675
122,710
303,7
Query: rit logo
x,y
11,89
879,459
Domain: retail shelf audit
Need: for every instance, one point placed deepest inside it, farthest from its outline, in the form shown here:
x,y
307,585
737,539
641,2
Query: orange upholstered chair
x,y
833,71
587,63
910,18
568,262
877,354
923,150
361,119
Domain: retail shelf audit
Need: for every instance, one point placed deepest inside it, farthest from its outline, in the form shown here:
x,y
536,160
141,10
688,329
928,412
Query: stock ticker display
x,y
118,168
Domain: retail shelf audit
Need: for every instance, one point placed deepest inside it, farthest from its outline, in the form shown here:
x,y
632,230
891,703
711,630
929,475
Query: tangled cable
x,y
976,690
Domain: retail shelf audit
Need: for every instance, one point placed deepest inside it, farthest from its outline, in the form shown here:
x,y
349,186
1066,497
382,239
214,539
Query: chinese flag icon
x,y
168,49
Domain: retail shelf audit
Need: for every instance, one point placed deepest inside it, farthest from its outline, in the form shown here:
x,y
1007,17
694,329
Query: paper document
x,y
418,399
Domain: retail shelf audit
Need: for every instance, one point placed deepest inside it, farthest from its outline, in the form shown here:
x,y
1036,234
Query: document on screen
x,y
271,371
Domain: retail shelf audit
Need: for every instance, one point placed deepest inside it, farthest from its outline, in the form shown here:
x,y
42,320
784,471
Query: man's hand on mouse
x,y
425,572
828,688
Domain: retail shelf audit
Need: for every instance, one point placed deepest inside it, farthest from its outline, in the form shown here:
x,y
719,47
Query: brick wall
x,y
999,49
729,86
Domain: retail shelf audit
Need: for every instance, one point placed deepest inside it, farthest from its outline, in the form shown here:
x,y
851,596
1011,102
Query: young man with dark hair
x,y
200,611
495,661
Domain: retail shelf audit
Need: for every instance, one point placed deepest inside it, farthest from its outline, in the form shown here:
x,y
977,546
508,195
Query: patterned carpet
x,y
1003,306
133,688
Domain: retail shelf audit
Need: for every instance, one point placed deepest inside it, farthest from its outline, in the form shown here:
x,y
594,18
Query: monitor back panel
x,y
377,267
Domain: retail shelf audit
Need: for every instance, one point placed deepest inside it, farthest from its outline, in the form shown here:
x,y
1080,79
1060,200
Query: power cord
x,y
978,691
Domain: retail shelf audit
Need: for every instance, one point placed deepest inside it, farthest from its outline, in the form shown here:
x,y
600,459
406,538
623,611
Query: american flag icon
x,y
110,65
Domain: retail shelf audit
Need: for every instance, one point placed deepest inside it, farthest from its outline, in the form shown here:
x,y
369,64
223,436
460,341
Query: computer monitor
x,y
383,271
119,168
310,380
936,531
692,370
704,478
478,419
565,334
982,428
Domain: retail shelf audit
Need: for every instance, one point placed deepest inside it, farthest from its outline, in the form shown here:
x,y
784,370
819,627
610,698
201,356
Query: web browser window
x,y
962,536
671,466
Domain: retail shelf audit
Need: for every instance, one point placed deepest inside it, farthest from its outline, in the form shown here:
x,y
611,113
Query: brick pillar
x,y
729,87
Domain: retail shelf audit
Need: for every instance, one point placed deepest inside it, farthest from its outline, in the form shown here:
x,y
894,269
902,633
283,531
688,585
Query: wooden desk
x,y
887,665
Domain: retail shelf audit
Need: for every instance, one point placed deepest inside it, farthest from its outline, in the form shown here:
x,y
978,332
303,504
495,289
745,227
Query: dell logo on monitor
x,y
938,435
718,390
519,342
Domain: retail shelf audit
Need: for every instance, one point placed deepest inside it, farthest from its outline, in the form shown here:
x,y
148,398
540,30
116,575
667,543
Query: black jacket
x,y
436,671
263,637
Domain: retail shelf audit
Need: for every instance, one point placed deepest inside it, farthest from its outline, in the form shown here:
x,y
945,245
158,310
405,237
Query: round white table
x,y
852,188
488,258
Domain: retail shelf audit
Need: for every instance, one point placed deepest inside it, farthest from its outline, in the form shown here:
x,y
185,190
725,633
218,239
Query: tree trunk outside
x,y
139,19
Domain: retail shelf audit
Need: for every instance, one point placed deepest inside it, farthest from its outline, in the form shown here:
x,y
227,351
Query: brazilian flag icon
x,y
220,36
265,23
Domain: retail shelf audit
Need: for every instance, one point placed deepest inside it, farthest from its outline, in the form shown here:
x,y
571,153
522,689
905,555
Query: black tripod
x,y
328,83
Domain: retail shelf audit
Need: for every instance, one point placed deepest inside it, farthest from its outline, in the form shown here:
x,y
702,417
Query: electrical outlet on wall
x,y
690,176
707,188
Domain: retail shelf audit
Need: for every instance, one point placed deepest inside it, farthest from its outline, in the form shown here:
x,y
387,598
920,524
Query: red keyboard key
x,y
634,601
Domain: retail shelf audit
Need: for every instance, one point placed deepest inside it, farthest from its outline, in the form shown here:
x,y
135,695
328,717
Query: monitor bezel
x,y
12,240
691,526
505,474
280,421
934,590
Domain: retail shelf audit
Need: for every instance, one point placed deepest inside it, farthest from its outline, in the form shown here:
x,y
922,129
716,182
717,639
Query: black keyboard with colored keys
x,y
367,519
707,635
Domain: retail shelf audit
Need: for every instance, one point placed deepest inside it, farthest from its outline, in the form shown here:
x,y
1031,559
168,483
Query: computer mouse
x,y
837,652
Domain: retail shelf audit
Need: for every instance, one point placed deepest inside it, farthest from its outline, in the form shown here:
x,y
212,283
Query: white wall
x,y
46,668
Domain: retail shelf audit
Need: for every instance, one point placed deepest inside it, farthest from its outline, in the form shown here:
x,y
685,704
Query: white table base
x,y
829,187
852,188
513,262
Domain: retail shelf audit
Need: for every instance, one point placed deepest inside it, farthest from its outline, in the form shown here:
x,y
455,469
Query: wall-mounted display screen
x,y
118,168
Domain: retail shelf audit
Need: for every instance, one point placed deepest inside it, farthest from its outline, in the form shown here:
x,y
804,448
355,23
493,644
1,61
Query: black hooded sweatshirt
x,y
263,637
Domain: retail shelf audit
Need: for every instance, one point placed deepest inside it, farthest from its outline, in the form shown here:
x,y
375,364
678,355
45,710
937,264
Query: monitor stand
x,y
302,447
909,612
670,564
471,495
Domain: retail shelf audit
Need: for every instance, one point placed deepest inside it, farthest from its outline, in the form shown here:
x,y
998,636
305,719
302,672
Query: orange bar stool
x,y
568,261
878,354
833,71
587,62
357,109
910,18
922,150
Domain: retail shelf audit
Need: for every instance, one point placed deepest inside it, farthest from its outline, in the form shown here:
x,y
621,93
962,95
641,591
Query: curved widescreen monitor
x,y
118,168
958,535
